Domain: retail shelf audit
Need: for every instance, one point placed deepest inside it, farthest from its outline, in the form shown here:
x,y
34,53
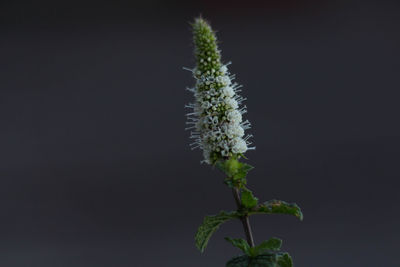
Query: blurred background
x,y
95,168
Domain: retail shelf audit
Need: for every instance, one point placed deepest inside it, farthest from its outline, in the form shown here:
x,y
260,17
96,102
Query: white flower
x,y
234,116
233,130
231,103
224,69
226,80
228,91
239,146
237,131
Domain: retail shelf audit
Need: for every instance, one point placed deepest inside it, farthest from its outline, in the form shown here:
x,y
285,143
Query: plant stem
x,y
245,219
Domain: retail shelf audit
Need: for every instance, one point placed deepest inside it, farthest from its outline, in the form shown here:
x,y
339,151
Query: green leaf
x,y
242,170
222,166
234,168
248,199
278,207
239,243
240,261
246,167
284,260
273,244
230,166
210,225
263,260
240,174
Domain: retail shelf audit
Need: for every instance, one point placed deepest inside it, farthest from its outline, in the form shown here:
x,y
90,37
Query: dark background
x,y
94,162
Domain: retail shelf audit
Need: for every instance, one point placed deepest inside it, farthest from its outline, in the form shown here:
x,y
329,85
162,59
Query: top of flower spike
x,y
216,120
206,50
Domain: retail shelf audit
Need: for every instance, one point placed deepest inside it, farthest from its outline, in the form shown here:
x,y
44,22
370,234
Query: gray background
x,y
94,162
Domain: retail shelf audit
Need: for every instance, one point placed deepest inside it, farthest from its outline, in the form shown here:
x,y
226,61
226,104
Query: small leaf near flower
x,y
248,199
235,170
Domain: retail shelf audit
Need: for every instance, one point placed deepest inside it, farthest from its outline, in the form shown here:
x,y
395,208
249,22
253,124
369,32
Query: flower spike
x,y
215,121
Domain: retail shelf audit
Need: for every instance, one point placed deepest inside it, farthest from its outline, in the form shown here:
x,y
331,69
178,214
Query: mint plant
x,y
217,128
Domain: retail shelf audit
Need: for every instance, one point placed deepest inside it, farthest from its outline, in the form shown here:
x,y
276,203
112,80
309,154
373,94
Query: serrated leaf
x,y
284,260
263,260
222,166
240,174
248,199
272,244
240,261
210,225
278,207
239,243
229,167
242,170
247,167
234,168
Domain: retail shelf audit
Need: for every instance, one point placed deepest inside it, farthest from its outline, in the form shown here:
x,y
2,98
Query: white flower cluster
x,y
216,120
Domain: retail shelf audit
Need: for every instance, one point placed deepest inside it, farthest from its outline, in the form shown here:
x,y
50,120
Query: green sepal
x,y
278,207
210,225
264,260
249,201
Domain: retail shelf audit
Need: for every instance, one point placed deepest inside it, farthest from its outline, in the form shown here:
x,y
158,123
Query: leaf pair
x,y
273,244
211,223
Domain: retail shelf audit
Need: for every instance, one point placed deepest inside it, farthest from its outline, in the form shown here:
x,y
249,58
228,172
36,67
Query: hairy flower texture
x,y
215,122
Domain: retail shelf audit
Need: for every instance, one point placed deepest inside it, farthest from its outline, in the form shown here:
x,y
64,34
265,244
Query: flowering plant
x,y
218,129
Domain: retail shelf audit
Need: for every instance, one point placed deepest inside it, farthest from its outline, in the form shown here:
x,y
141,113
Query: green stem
x,y
245,219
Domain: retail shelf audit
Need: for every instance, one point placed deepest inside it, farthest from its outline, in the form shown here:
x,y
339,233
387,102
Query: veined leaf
x,y
230,166
284,260
272,244
278,207
263,260
239,243
235,170
248,199
210,225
